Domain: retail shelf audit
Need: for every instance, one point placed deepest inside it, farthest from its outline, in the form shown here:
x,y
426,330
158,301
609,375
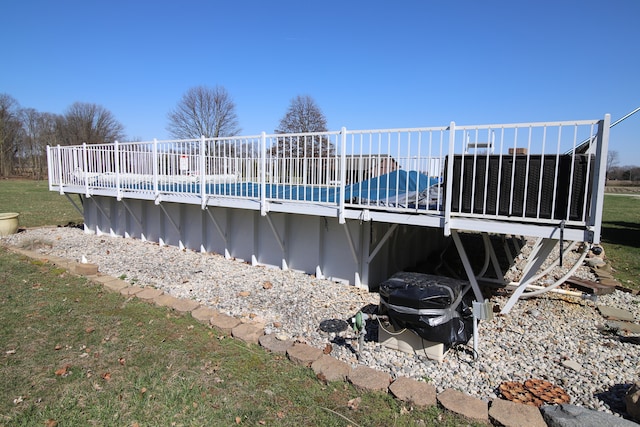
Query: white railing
x,y
531,172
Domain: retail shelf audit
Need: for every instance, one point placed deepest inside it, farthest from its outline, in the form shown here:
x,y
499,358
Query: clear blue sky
x,y
368,64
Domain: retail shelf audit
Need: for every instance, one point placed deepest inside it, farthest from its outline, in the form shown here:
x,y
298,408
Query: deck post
x,y
85,169
156,191
116,155
449,179
263,174
203,180
60,169
343,173
599,176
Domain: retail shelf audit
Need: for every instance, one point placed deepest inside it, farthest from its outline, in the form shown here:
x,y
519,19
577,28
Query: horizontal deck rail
x,y
543,178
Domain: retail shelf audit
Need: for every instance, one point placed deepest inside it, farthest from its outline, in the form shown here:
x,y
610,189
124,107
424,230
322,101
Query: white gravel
x,y
540,338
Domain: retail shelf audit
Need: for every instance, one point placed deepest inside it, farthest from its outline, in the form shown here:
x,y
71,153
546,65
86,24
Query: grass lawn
x,y
621,237
37,205
75,355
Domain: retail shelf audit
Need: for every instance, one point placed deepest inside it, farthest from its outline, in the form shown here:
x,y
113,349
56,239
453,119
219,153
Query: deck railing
x,y
541,173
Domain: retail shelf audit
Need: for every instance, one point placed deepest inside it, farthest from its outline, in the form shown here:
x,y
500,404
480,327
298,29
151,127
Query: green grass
x,y
78,355
621,237
37,205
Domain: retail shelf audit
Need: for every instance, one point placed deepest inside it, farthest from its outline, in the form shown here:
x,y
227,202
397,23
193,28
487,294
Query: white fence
x,y
534,173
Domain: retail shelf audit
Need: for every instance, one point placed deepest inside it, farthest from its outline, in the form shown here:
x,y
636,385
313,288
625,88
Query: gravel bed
x,y
541,337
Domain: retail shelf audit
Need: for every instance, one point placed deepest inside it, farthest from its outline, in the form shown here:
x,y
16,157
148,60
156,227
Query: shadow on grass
x,y
621,233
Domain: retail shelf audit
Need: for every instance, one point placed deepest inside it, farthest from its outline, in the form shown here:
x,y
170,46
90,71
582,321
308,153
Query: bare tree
x,y
10,133
303,116
88,123
612,161
204,111
39,131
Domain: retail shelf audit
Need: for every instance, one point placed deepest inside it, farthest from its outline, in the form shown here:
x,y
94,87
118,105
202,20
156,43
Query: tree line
x,y
202,111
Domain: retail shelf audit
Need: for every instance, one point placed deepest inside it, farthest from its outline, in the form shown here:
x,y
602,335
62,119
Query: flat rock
x,y
223,322
149,294
463,404
185,305
418,393
166,300
203,314
614,313
578,416
113,284
248,333
273,344
572,364
328,369
365,378
632,328
85,269
303,354
130,290
510,414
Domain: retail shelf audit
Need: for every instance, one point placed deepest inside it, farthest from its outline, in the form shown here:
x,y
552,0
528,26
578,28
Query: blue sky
x,y
368,64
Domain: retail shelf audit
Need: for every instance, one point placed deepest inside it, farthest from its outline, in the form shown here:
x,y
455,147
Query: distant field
x,y
37,205
620,228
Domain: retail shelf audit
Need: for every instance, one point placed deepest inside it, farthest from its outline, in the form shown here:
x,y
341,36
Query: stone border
x,y
327,368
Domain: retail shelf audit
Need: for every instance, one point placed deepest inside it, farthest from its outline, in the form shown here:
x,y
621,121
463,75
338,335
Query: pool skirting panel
x,y
362,253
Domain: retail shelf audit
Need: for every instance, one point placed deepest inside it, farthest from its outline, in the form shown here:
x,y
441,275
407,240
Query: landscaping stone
x,y
203,314
185,305
273,344
510,414
329,369
463,404
248,332
111,283
166,300
418,393
85,269
632,400
130,290
632,328
365,378
149,294
572,364
615,313
223,322
578,416
303,354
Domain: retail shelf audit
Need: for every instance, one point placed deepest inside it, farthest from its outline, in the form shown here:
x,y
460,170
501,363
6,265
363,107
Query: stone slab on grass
x,y
130,290
275,345
166,300
114,285
248,333
85,269
329,369
203,314
365,378
303,354
418,393
223,322
510,414
149,294
185,305
465,405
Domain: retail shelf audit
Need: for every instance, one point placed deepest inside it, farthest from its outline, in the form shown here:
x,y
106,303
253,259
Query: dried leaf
x,y
106,376
90,329
354,403
327,349
143,390
50,423
238,420
10,352
122,361
280,414
267,285
63,372
244,293
57,347
262,422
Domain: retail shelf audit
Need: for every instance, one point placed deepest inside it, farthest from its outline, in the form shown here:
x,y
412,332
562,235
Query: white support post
x,y
85,169
116,148
343,173
60,169
263,174
599,177
156,191
203,173
449,179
